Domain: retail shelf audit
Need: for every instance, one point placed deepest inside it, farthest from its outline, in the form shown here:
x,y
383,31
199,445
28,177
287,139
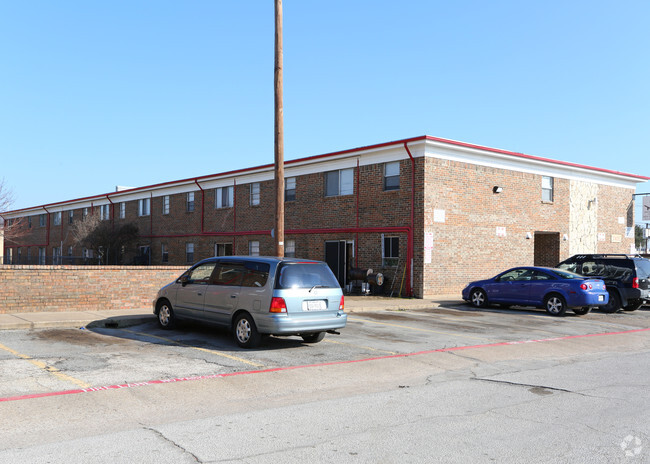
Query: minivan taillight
x,y
635,282
278,305
341,304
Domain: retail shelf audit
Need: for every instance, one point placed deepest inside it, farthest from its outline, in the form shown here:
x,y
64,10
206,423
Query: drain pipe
x,y
409,248
202,202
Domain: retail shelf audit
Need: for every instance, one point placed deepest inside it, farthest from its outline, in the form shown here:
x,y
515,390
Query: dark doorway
x,y
547,249
335,257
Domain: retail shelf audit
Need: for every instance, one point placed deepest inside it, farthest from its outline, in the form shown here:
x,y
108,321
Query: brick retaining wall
x,y
81,288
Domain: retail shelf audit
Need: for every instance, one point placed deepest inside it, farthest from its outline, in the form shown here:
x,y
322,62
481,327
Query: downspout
x,y
202,202
409,248
47,230
234,216
356,242
112,211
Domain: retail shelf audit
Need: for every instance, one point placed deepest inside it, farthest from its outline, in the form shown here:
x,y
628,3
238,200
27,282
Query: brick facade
x,y
475,232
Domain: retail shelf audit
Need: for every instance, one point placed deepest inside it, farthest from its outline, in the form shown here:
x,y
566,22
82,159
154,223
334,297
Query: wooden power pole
x,y
279,135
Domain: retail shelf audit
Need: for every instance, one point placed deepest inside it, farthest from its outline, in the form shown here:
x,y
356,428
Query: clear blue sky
x,y
99,94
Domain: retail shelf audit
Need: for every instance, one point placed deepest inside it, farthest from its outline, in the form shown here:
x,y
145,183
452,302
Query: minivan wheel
x,y
245,331
313,337
614,303
555,305
166,319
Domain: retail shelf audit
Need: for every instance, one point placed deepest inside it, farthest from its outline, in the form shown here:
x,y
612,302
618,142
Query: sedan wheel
x,y
555,305
478,298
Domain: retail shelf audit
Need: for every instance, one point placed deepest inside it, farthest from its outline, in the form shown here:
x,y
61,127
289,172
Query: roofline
x,y
422,138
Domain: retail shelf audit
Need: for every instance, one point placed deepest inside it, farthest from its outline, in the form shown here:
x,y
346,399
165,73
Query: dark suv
x,y
627,278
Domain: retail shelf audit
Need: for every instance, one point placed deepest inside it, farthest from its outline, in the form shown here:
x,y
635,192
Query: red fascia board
x,y
338,153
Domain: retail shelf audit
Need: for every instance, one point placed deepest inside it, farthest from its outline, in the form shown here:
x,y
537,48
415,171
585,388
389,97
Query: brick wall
x,y
81,288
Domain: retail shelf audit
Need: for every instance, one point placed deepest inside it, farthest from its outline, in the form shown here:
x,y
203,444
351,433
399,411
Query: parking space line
x,y
417,329
43,366
359,346
205,350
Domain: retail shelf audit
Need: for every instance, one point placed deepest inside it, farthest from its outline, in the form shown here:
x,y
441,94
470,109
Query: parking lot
x,y
47,361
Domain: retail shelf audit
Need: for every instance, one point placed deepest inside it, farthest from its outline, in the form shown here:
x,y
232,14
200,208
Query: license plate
x,y
601,297
314,305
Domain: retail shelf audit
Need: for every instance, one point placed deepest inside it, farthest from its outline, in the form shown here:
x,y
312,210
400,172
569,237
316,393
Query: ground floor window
x,y
165,253
290,249
41,256
254,248
189,253
390,251
223,249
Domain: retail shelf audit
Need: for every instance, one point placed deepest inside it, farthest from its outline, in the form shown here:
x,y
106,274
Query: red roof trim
x,y
338,153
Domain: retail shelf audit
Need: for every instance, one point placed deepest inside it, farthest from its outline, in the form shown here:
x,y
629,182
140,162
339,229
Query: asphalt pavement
x,y
114,318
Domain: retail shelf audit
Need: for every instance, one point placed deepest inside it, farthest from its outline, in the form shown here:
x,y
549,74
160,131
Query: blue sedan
x,y
555,290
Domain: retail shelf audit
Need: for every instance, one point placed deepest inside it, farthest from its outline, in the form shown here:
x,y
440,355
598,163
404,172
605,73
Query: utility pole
x,y
279,135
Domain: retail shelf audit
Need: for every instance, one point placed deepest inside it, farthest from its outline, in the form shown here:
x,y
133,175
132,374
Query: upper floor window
x,y
57,219
144,207
391,176
290,189
41,220
165,204
70,216
224,197
84,213
339,182
547,188
122,210
255,193
190,201
29,222
105,212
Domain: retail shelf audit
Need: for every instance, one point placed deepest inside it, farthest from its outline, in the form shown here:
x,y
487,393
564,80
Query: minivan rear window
x,y
305,275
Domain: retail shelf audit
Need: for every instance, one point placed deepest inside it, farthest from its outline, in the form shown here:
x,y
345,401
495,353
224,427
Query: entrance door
x,y
335,257
547,249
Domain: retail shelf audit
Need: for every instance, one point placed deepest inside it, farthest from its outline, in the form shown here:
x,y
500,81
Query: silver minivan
x,y
255,296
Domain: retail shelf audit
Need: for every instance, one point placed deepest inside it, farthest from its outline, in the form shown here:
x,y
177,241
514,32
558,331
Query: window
x,y
390,251
254,248
200,274
57,219
144,207
290,249
547,188
9,257
290,189
29,222
224,197
19,253
165,204
165,253
70,251
70,216
122,210
255,193
190,202
391,176
189,253
56,255
339,182
41,256
84,213
41,220
223,249
105,212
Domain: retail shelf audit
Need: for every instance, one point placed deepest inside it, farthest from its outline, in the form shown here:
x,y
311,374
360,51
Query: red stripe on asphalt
x,y
278,369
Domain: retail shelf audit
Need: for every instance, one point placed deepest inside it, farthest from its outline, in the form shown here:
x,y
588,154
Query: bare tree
x,y
12,229
104,238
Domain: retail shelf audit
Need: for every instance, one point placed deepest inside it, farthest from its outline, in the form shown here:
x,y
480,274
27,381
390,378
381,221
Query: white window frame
x,y
344,180
548,190
255,193
290,248
253,248
290,189
223,247
189,253
164,253
70,216
165,204
42,255
42,219
391,171
57,218
224,197
122,210
189,202
105,212
144,207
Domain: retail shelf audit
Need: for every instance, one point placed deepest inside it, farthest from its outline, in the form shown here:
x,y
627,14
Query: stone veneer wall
x,y
583,219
